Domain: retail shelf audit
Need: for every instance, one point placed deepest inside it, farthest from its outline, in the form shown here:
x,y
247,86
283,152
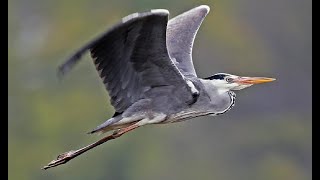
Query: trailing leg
x,y
67,156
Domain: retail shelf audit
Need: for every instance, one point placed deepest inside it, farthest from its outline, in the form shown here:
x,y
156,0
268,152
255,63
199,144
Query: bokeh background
x,y
267,136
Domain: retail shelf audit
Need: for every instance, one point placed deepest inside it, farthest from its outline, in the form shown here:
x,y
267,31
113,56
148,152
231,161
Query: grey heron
x,y
145,63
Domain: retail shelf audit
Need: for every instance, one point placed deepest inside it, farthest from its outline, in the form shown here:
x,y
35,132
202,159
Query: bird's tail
x,y
107,125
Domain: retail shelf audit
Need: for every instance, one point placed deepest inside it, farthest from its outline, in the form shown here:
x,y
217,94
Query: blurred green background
x,y
267,136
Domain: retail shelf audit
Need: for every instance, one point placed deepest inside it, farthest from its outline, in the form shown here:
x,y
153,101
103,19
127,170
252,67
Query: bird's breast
x,y
230,104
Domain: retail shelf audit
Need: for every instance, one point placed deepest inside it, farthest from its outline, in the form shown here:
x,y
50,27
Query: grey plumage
x,y
145,63
133,61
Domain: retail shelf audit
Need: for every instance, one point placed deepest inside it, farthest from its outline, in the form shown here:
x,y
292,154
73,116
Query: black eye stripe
x,y
217,76
220,76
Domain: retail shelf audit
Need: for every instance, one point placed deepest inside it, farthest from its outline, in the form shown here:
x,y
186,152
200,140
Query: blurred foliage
x,y
266,136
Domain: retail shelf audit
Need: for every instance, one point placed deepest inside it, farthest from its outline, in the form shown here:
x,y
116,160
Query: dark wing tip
x,y
68,65
64,68
60,73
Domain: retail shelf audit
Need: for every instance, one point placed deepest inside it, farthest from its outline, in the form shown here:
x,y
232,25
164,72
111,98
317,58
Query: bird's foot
x,y
61,159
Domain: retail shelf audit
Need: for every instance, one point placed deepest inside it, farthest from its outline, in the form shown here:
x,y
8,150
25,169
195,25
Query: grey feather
x,y
182,31
132,58
145,63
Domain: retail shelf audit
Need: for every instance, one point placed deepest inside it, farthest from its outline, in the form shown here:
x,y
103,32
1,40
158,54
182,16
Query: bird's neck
x,y
232,96
222,90
212,86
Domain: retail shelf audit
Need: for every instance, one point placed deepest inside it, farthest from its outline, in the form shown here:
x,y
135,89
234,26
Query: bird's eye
x,y
229,80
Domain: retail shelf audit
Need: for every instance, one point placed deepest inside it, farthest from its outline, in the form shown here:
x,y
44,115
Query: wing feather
x,y
132,58
182,30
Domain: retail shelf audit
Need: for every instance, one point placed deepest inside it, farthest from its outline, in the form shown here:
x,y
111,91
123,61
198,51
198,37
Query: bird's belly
x,y
185,115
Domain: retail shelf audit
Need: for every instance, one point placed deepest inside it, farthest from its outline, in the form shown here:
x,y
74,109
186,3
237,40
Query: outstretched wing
x,y
181,33
132,58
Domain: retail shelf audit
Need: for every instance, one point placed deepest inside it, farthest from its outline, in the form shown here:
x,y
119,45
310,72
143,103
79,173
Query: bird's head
x,y
227,82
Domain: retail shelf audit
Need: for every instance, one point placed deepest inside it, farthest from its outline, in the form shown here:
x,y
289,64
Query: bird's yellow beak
x,y
253,80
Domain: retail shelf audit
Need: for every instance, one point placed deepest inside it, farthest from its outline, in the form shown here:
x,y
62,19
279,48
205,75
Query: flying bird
x,y
145,63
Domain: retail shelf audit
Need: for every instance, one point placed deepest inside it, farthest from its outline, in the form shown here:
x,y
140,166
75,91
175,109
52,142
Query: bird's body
x,y
145,63
164,106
